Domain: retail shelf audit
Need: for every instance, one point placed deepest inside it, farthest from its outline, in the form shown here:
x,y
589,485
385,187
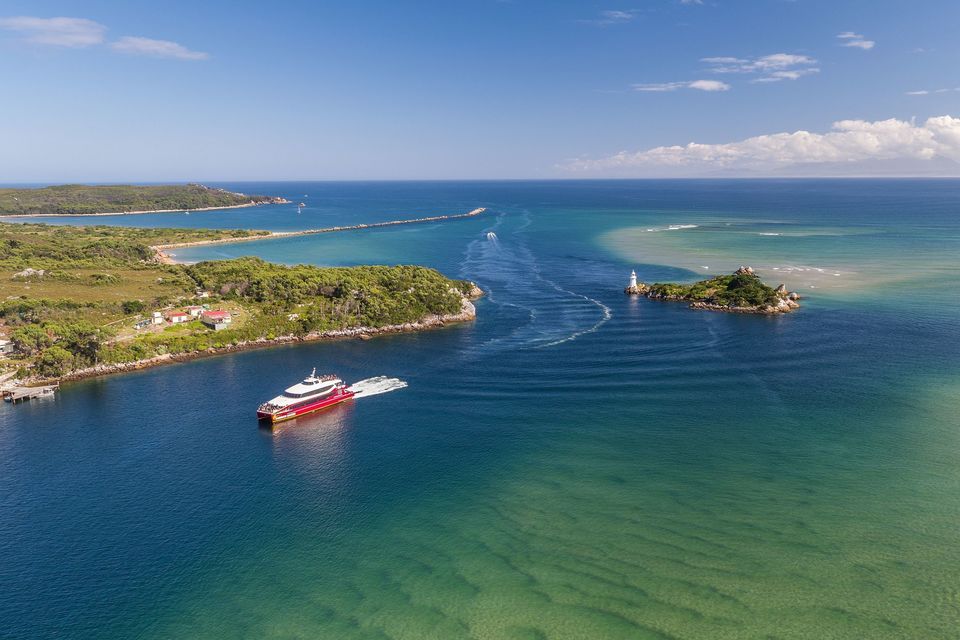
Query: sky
x,y
102,91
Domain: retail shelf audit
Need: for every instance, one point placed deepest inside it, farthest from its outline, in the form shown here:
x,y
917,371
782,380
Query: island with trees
x,y
83,301
79,199
740,292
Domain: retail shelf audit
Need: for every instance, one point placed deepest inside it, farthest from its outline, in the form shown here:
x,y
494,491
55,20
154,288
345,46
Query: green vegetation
x,y
70,297
81,199
741,289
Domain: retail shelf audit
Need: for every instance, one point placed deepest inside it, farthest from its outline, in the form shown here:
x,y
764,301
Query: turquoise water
x,y
575,464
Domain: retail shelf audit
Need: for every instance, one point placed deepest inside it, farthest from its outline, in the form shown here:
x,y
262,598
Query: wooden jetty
x,y
22,394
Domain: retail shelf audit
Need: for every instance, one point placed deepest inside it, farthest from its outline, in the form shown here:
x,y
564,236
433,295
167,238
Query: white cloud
x,y
849,141
612,16
856,40
156,48
59,32
926,92
777,76
709,85
691,1
700,85
772,68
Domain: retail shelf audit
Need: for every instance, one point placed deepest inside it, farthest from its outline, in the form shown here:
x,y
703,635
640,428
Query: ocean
x,y
575,464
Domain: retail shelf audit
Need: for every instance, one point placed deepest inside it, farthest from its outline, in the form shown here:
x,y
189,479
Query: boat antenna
x,y
313,374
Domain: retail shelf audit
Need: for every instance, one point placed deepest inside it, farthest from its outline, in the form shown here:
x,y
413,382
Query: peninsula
x,y
85,301
740,292
77,199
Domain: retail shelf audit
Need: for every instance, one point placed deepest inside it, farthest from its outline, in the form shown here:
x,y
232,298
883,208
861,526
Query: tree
x,y
30,339
54,361
132,306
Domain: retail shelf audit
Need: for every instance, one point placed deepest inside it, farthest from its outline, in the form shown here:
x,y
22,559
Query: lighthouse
x,y
634,288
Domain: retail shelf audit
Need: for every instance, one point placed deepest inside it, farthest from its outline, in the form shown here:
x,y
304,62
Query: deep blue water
x,y
574,464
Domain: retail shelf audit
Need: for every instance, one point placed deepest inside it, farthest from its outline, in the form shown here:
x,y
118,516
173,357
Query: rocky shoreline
x,y
786,300
467,313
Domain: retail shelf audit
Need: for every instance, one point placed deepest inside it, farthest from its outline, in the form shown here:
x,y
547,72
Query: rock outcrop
x,y
742,292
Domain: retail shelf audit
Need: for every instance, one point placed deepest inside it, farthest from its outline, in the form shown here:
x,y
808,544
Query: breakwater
x,y
163,257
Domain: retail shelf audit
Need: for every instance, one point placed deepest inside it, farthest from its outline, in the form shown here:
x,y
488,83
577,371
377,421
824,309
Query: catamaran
x,y
312,394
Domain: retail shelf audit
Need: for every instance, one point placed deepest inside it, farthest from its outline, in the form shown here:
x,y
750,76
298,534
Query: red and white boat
x,y
314,393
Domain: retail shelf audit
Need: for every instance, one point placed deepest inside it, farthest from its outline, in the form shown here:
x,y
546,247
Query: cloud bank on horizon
x,y
850,142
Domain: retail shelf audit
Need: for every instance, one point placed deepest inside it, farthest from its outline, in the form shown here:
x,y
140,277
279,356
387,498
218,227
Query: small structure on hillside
x,y
178,317
156,318
217,319
194,311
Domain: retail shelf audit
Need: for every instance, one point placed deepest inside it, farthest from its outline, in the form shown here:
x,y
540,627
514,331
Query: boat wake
x,y
548,314
376,386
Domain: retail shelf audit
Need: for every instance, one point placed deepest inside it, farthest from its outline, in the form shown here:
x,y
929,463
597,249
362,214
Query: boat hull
x,y
282,415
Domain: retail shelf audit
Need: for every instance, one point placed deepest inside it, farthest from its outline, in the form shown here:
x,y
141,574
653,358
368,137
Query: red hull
x,y
294,412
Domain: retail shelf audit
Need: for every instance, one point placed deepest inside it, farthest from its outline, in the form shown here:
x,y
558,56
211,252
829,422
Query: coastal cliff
x,y
740,292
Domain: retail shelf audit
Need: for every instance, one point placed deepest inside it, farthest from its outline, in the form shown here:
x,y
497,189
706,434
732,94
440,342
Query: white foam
x,y
376,386
672,227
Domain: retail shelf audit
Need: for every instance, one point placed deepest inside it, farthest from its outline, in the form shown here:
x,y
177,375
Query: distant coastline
x,y
120,199
137,213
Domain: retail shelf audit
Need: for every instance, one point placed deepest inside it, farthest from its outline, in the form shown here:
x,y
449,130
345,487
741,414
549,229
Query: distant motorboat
x,y
491,236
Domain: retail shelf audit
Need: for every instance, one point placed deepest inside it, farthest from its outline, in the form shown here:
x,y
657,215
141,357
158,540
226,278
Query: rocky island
x,y
740,292
79,199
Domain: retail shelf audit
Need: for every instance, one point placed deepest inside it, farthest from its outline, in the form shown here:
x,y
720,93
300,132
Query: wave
x,y
671,227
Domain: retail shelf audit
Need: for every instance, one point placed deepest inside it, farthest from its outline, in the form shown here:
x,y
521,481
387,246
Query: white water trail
x,y
607,314
376,386
511,272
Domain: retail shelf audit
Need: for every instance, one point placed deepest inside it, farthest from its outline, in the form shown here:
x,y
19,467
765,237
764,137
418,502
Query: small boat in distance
x,y
314,393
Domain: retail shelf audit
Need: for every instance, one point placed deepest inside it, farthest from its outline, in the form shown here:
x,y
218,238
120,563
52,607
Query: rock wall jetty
x,y
161,249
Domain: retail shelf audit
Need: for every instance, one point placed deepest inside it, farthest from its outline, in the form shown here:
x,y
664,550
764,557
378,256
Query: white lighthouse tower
x,y
633,279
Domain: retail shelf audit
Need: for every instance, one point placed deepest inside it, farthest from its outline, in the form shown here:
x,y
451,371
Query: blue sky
x,y
452,89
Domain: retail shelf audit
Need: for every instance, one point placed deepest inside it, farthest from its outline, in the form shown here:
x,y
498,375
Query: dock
x,y
22,394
